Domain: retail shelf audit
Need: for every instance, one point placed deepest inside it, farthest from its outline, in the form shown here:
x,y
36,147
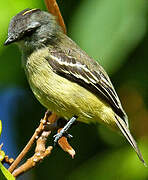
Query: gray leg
x,y
65,129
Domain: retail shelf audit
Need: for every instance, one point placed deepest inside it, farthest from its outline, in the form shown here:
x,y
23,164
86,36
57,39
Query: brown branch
x,y
35,136
41,134
40,153
27,147
8,160
63,143
53,8
4,158
31,162
47,124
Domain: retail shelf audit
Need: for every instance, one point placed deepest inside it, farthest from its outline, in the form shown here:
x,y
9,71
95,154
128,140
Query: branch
x,y
8,160
5,158
53,8
63,143
40,153
47,124
27,147
35,136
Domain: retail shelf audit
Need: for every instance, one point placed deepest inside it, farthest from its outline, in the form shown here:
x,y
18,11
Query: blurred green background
x,y
113,32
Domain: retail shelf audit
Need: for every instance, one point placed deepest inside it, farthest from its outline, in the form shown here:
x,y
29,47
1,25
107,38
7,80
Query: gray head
x,y
32,28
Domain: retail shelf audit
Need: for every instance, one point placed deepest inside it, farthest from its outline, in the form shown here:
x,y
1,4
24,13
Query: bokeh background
x,y
113,32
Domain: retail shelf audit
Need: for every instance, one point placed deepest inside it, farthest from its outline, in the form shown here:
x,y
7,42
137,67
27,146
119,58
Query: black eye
x,y
29,32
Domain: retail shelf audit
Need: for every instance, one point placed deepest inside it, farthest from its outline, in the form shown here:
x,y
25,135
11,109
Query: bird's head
x,y
32,28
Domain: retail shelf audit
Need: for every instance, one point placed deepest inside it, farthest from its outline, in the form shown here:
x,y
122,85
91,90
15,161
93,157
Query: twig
x,y
31,162
44,130
48,123
27,147
35,136
53,8
8,160
63,143
4,158
40,153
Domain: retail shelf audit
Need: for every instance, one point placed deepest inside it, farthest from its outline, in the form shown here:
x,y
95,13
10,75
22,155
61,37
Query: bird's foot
x,y
64,130
59,135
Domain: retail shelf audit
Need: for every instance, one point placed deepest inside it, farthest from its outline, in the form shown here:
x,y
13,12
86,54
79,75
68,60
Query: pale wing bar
x,y
68,67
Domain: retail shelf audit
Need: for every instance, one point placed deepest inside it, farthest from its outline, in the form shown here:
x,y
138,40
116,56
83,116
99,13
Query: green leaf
x,y
0,127
2,155
5,174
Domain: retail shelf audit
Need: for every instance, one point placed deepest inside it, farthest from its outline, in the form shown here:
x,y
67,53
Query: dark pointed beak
x,y
9,40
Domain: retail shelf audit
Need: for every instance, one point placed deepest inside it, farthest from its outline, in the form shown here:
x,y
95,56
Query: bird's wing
x,y
81,69
91,76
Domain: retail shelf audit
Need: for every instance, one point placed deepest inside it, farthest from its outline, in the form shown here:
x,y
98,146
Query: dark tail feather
x,y
125,131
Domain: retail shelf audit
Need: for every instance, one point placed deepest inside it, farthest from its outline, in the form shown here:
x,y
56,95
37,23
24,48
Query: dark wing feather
x,y
94,79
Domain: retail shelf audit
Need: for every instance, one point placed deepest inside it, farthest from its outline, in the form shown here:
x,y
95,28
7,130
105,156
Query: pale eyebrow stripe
x,y
29,11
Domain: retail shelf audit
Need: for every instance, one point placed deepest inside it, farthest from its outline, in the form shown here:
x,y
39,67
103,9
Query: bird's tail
x,y
126,132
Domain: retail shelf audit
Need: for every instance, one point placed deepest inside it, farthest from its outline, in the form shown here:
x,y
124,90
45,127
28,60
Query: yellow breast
x,y
62,96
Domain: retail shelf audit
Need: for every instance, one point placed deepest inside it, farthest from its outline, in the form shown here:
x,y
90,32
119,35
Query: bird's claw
x,y
65,129
59,135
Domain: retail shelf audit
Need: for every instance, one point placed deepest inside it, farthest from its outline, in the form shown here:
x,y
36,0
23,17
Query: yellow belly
x,y
62,96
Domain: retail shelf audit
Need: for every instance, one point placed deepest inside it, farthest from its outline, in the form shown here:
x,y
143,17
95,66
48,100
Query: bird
x,y
63,77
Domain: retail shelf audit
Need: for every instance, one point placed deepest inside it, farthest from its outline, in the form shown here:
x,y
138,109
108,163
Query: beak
x,y
9,40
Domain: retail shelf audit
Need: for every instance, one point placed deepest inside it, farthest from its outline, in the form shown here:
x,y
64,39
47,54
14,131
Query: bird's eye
x,y
29,32
31,29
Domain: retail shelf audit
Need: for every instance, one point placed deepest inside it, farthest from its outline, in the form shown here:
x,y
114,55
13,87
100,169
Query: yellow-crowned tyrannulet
x,y
62,76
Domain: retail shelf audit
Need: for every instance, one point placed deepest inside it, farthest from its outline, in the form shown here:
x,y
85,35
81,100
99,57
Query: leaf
x,y
2,155
0,127
5,174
